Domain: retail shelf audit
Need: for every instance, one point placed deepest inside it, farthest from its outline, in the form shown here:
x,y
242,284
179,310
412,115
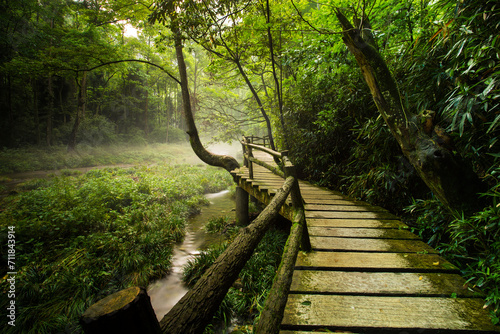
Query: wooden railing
x,y
194,311
274,306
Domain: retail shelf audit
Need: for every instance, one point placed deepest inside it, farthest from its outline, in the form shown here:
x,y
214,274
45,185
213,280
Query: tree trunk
x,y
224,161
50,111
447,176
34,86
195,310
275,75
259,103
80,112
146,114
126,311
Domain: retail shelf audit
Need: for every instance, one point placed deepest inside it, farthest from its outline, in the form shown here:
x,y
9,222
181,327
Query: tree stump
x,y
126,311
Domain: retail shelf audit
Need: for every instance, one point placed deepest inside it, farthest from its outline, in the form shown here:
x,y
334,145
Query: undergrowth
x,y
80,238
245,299
471,242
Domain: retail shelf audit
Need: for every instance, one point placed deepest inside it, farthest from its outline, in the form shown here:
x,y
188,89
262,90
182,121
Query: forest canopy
x,y
70,75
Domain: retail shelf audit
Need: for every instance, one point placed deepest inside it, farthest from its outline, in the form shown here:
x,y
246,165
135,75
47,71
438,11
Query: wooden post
x,y
126,311
250,163
241,206
297,202
244,148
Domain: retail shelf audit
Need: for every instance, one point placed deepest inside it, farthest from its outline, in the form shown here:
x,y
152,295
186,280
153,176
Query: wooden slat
x,y
355,223
361,232
341,207
370,245
383,283
372,312
403,262
342,201
350,215
315,332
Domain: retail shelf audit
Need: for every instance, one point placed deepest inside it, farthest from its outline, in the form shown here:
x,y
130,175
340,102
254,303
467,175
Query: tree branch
x,y
129,60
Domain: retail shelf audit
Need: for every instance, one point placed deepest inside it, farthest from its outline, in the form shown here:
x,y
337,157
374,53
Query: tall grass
x,y
82,237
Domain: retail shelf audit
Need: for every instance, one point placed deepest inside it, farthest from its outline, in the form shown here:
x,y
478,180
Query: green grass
x,y
54,158
80,238
246,298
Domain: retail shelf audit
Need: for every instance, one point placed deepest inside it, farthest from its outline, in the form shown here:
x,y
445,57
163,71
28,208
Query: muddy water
x,y
166,292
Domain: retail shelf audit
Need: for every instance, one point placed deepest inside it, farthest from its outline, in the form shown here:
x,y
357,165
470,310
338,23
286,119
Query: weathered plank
x,y
350,215
355,223
383,283
316,331
370,245
401,262
325,231
366,313
343,207
340,201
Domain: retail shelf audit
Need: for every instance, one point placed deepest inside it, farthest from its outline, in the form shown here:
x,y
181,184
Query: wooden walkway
x,y
367,273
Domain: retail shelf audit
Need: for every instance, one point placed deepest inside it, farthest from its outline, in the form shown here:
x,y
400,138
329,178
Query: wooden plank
x,y
361,233
356,223
307,196
384,283
350,215
341,207
401,262
315,332
343,201
367,313
370,245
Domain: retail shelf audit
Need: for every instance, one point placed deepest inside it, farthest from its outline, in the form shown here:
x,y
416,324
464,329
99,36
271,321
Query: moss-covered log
x,y
195,310
274,307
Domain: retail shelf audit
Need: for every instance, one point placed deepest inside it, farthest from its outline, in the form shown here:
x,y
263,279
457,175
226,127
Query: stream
x,y
166,292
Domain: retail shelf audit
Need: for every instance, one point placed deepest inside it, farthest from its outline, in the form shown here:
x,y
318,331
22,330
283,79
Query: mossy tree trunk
x,y
224,161
448,177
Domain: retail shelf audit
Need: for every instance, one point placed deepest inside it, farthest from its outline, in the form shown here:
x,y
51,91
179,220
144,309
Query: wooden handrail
x,y
272,314
265,149
274,306
249,158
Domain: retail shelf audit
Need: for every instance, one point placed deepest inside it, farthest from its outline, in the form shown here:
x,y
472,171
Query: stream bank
x,y
166,292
